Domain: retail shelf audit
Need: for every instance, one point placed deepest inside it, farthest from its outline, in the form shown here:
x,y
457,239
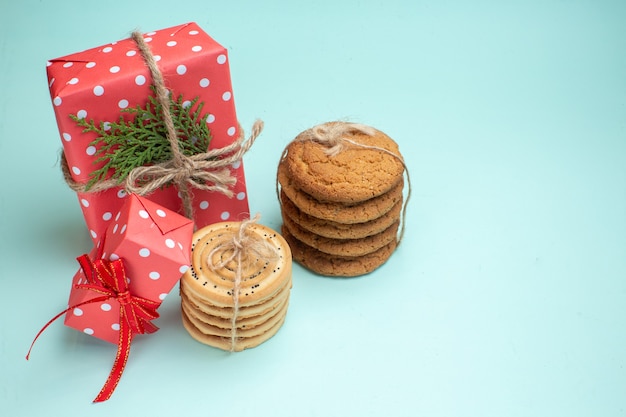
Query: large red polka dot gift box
x,y
153,245
99,92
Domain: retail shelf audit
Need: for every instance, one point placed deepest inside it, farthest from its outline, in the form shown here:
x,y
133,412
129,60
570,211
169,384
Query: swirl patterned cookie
x,y
235,295
261,277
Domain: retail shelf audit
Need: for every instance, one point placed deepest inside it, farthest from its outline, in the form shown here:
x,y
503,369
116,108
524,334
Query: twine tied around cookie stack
x,y
236,293
319,220
334,137
205,171
241,249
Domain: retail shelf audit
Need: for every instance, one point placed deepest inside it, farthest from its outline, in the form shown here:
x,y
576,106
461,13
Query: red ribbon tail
x,y
149,327
59,315
136,313
44,328
123,351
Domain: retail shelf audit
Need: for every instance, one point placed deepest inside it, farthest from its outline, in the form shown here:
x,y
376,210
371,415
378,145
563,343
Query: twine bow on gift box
x,y
204,171
109,279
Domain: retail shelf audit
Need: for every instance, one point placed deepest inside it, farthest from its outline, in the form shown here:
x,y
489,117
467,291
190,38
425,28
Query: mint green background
x,y
508,294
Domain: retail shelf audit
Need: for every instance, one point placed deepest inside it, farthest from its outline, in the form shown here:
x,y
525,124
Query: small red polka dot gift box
x,y
95,91
154,246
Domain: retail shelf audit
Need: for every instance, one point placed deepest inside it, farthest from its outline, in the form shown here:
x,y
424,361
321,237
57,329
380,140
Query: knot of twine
x,y
334,137
205,171
244,248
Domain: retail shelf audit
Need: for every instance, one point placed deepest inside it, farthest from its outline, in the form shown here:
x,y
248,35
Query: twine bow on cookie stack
x,y
235,295
204,171
340,186
243,248
333,135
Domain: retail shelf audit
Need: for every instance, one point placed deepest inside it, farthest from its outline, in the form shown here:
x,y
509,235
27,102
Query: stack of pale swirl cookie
x,y
341,194
236,294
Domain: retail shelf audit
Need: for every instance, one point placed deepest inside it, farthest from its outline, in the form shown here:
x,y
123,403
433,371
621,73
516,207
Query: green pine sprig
x,y
126,145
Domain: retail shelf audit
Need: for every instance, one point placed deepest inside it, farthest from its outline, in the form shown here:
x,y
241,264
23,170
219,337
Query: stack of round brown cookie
x,y
341,194
236,294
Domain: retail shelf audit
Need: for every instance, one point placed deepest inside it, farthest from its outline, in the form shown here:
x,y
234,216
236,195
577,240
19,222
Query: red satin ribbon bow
x,y
109,279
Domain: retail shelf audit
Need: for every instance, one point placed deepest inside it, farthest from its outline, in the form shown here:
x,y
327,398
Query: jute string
x,y
245,248
205,171
333,136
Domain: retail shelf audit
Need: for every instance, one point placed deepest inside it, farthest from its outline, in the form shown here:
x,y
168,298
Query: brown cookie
x,y
338,212
342,247
337,266
336,230
354,174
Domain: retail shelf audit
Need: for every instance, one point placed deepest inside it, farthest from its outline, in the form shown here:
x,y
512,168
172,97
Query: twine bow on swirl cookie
x,y
205,171
335,137
243,249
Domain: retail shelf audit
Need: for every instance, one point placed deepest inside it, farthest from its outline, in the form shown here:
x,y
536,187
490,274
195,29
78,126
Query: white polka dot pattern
x,y
100,82
153,233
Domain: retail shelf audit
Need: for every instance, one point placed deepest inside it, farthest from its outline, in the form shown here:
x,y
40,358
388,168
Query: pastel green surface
x,y
507,296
